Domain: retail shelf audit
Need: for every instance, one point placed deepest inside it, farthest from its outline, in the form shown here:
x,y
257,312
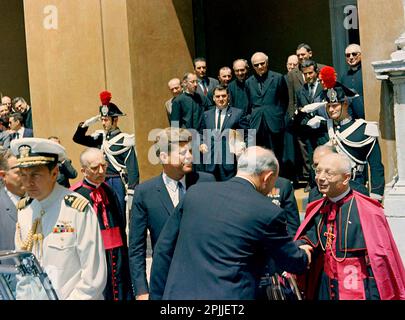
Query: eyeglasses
x,y
354,54
313,166
327,174
259,64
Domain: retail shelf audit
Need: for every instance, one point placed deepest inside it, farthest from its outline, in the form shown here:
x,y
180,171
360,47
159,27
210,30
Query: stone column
x,y
394,203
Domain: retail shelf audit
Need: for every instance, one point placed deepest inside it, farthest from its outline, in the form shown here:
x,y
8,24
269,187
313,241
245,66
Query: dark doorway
x,y
13,54
229,29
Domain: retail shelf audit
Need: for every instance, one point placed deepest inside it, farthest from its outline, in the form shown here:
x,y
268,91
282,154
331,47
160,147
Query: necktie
x,y
205,87
181,190
17,135
219,120
260,87
312,90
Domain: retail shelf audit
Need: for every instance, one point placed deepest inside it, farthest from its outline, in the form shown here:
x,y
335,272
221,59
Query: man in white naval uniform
x,y
58,226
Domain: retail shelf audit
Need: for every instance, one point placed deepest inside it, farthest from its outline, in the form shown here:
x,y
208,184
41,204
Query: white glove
x,y
91,121
128,199
313,107
376,196
315,122
203,148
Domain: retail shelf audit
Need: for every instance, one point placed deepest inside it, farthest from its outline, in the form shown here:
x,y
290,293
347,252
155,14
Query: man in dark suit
x,y
310,92
227,232
17,128
188,112
282,195
188,108
295,77
237,87
156,199
205,83
224,77
268,98
219,160
21,106
175,88
353,79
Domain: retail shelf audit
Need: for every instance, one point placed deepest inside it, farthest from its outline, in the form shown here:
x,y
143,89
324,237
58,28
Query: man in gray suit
x,y
11,191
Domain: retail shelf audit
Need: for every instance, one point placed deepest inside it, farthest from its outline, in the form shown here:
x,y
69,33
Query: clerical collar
x,y
92,184
247,179
340,197
355,68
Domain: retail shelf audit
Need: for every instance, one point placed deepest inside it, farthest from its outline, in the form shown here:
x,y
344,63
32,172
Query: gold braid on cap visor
x,y
38,160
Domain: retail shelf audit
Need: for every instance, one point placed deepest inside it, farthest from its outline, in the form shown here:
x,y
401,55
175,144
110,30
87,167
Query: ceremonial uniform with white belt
x,y
358,139
61,230
119,150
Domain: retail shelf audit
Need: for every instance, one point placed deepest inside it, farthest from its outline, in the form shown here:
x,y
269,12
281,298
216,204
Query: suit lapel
x,y
211,119
8,205
267,83
227,117
299,76
318,91
164,196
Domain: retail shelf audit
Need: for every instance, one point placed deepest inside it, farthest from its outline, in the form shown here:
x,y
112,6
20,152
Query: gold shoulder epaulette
x,y
76,202
23,202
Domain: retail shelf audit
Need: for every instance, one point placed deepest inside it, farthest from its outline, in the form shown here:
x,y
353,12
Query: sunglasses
x,y
259,64
354,54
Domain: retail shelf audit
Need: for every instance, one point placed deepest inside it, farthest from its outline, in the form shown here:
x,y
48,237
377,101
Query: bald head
x,y
174,86
240,68
333,174
260,62
322,151
260,167
353,55
94,165
340,162
87,156
292,62
255,160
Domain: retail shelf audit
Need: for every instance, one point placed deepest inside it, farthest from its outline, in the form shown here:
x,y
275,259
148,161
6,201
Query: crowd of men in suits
x,y
250,134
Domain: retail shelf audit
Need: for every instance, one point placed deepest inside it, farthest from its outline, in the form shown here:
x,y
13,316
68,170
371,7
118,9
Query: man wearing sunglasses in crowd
x,y
268,101
353,79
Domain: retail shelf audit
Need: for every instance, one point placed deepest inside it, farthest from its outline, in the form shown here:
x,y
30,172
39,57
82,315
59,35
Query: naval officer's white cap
x,y
32,152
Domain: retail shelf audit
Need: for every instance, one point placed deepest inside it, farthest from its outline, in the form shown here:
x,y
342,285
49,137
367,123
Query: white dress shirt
x,y
173,188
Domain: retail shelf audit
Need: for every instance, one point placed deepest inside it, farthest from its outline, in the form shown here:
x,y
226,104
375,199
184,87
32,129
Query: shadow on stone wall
x,y
386,117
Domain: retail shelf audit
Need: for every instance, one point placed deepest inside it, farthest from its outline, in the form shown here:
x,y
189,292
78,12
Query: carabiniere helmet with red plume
x,y
107,108
334,91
